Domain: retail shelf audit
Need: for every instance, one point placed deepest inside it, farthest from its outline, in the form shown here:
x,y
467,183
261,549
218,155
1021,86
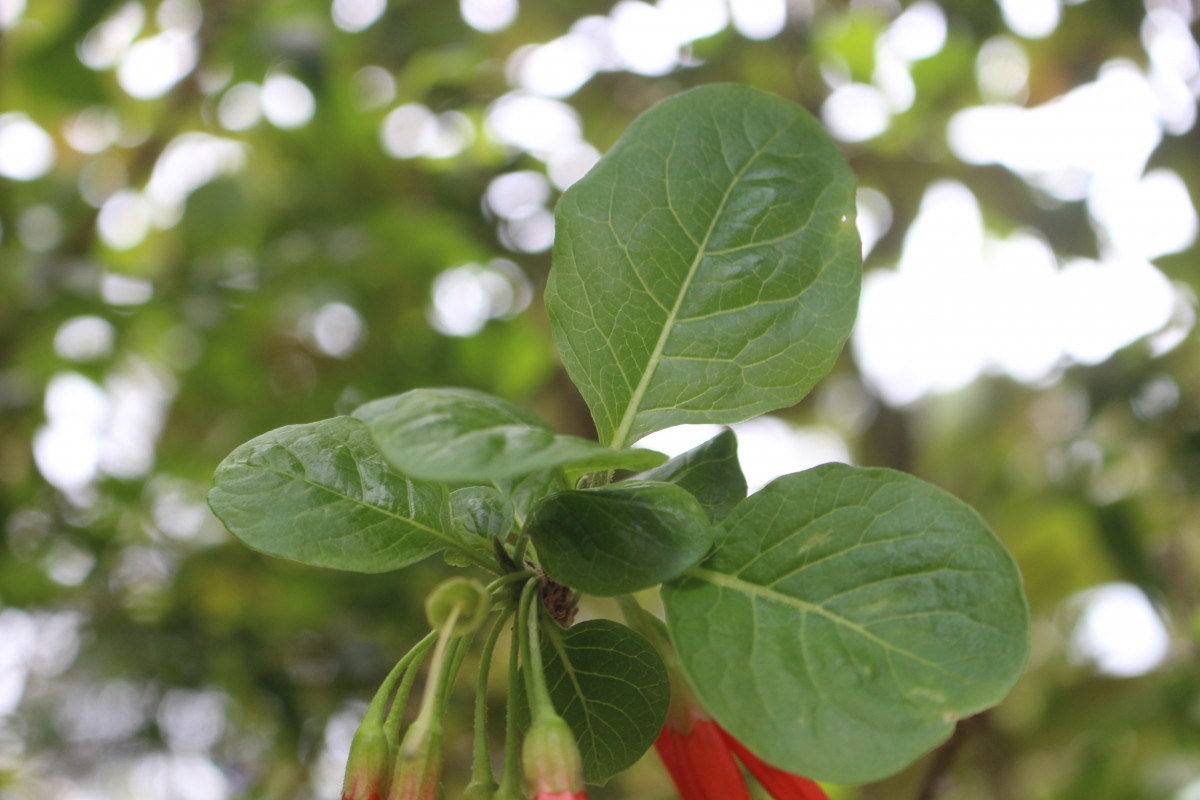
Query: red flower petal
x,y
779,784
700,763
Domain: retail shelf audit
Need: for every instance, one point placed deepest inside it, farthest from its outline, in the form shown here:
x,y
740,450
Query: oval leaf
x,y
481,511
462,436
609,684
619,538
847,619
707,269
322,493
710,472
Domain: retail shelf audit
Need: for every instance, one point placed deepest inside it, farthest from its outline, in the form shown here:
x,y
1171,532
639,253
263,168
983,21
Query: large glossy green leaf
x,y
710,472
707,268
463,436
609,684
619,538
847,618
322,493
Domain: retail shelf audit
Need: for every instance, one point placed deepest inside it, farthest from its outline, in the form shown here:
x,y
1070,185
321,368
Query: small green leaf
x,y
462,436
707,269
847,618
710,472
322,493
481,511
609,684
619,538
528,491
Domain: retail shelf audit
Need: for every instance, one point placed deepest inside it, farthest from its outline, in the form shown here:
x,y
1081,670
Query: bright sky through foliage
x,y
767,446
1118,631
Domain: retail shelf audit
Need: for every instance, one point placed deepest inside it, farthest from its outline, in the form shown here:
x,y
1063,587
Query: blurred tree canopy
x,y
219,218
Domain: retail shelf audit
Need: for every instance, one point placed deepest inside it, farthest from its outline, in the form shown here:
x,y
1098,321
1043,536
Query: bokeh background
x,y
218,218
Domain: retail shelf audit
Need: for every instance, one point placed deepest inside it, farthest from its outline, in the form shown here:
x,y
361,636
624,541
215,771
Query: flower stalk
x,y
550,756
368,769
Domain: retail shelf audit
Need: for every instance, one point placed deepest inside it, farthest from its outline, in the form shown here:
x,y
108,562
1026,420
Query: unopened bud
x,y
418,774
551,759
469,596
370,764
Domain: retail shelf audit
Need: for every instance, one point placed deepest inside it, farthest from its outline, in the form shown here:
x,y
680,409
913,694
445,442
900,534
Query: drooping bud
x,y
369,767
469,596
551,760
418,773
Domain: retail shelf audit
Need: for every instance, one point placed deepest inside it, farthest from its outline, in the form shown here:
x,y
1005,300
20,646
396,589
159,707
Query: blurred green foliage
x,y
144,653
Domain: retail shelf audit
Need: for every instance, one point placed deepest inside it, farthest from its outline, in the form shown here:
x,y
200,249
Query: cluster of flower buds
x,y
701,757
379,768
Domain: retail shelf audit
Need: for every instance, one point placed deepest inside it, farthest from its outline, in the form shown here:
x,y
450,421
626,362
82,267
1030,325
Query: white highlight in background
x,y
961,303
286,102
1118,630
353,16
26,151
488,16
768,447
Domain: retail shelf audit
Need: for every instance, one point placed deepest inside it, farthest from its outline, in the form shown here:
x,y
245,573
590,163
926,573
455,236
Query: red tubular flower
x,y
779,784
701,762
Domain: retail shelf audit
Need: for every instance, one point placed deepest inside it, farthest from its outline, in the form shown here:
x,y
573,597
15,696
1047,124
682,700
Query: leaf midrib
x,y
358,501
621,434
757,591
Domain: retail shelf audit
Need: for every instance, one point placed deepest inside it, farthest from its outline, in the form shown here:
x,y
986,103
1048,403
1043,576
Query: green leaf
x,y
707,269
619,538
322,493
481,511
710,472
462,436
847,618
609,684
527,491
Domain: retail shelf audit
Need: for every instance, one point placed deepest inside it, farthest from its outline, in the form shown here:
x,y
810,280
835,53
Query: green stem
x,y
430,700
650,626
377,711
481,765
510,776
522,544
410,665
504,580
540,705
458,650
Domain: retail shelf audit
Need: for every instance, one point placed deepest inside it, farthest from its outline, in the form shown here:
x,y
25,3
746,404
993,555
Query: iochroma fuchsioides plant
x,y
834,625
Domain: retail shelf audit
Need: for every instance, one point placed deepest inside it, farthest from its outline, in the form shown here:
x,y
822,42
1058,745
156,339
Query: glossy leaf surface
x,y
707,268
611,687
859,613
459,435
323,494
481,511
619,538
710,472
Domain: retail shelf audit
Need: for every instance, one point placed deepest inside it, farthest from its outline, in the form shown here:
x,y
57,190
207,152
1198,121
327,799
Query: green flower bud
x,y
551,758
418,774
370,764
468,595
